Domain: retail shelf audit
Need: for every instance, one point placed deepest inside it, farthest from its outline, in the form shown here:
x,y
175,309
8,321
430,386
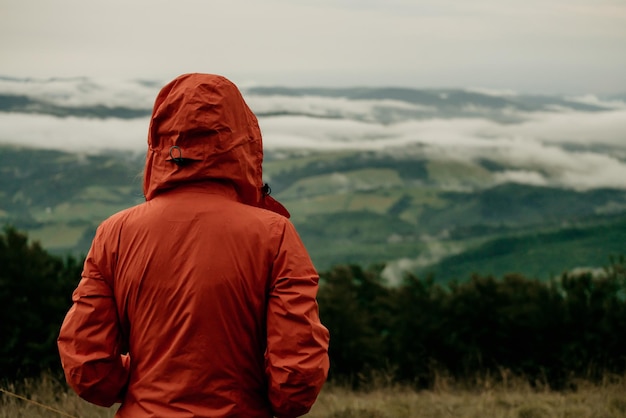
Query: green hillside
x,y
441,216
60,198
542,255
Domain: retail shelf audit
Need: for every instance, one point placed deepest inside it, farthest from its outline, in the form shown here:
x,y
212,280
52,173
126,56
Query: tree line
x,y
550,332
35,293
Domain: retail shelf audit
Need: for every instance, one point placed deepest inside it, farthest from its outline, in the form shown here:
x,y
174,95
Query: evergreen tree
x,y
35,293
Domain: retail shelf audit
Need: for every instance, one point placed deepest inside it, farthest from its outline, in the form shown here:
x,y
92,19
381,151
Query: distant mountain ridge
x,y
38,97
440,99
25,104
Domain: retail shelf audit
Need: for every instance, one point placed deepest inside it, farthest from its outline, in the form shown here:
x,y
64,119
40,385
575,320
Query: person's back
x,y
211,294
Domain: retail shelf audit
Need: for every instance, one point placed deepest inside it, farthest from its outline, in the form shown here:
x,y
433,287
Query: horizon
x,y
156,84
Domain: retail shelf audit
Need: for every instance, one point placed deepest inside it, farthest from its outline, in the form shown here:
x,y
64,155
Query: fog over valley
x,y
571,142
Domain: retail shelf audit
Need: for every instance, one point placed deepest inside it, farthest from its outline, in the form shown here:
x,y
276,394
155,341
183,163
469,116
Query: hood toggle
x,y
179,160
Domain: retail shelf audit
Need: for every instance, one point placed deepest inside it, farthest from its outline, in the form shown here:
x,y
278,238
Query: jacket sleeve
x,y
297,343
90,339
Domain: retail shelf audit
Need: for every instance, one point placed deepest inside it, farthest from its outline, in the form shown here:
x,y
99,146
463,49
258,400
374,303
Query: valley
x,y
442,218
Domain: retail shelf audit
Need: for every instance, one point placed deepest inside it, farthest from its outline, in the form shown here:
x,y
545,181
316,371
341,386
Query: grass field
x,y
484,399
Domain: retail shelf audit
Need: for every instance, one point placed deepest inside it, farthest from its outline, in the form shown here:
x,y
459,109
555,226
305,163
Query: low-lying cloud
x,y
572,149
77,92
73,134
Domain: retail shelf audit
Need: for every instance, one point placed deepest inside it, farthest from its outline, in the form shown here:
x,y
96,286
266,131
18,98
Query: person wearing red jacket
x,y
201,301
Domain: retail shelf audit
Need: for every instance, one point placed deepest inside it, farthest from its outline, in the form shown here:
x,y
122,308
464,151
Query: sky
x,y
528,46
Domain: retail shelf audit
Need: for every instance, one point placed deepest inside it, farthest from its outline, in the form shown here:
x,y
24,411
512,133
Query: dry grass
x,y
590,402
51,393
511,399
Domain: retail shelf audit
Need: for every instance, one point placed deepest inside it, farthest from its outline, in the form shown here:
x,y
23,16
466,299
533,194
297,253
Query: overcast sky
x,y
537,46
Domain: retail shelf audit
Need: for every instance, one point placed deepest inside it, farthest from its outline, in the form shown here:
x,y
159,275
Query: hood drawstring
x,y
179,161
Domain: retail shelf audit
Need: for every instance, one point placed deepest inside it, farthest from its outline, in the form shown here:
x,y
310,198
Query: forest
x,y
550,333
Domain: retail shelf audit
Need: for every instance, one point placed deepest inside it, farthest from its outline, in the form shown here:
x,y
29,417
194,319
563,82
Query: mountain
x,y
81,97
447,182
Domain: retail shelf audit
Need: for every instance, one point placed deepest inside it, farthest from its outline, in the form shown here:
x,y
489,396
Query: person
x,y
201,301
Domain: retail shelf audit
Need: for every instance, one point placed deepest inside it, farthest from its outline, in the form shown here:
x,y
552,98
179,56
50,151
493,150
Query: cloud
x,y
579,150
432,252
593,100
582,128
537,152
543,164
81,91
73,134
521,176
331,106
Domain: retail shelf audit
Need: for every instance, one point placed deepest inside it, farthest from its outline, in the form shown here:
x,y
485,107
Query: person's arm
x,y
297,343
89,341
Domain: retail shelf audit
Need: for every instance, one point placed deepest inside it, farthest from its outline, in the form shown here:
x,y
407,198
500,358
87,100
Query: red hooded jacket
x,y
200,302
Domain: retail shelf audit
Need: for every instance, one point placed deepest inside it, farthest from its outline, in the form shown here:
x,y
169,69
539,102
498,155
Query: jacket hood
x,y
202,129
